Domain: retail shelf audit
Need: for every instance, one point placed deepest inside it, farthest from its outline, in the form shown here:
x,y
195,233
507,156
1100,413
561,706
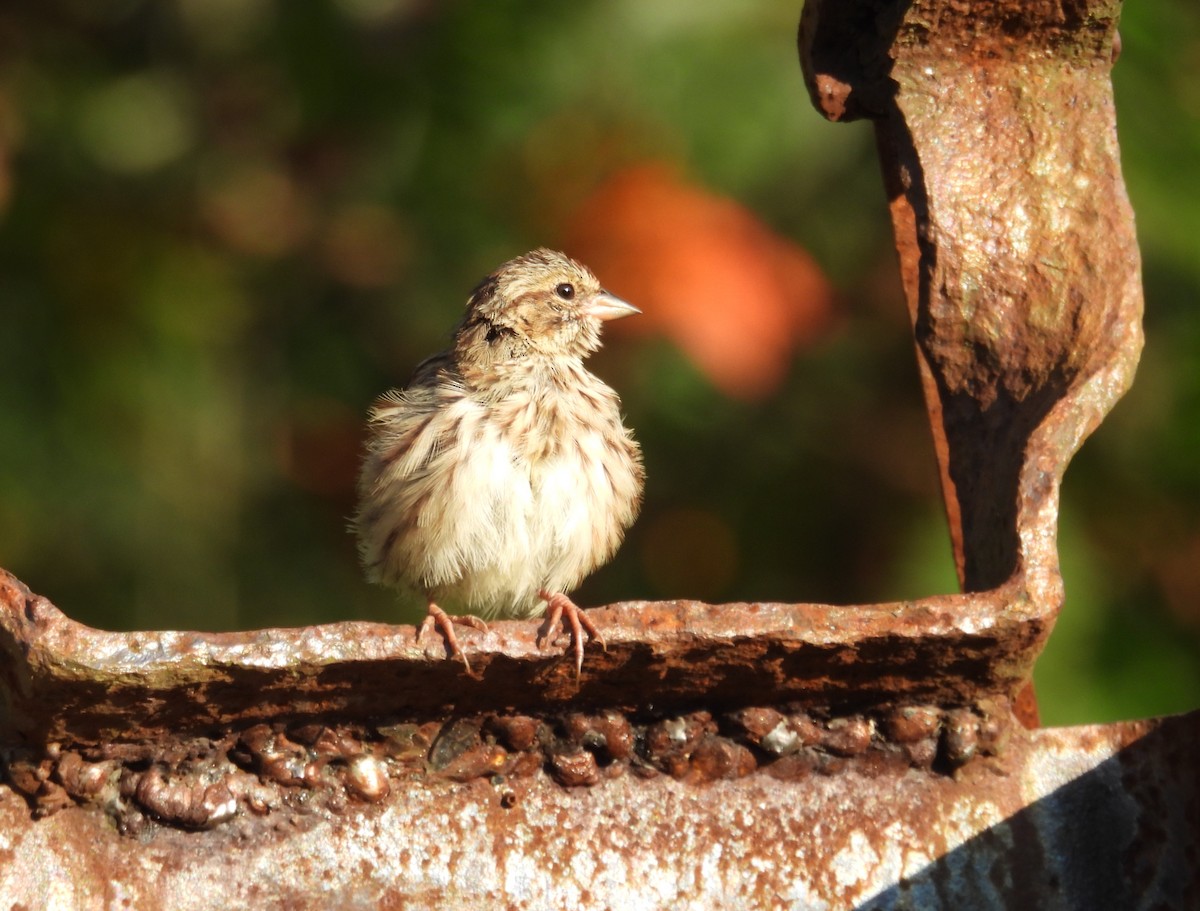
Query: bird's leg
x,y
435,616
560,607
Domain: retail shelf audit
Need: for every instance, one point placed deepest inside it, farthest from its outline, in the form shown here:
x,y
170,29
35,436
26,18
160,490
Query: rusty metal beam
x,y
66,682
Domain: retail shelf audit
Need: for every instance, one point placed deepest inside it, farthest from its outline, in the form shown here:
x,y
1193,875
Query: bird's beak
x,y
605,306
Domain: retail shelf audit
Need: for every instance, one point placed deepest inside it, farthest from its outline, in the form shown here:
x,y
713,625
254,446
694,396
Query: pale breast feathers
x,y
486,502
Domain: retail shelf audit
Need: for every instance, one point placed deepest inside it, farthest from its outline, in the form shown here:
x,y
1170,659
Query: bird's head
x,y
543,303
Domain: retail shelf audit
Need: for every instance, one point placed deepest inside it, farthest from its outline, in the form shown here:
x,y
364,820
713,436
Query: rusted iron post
x,y
997,137
745,755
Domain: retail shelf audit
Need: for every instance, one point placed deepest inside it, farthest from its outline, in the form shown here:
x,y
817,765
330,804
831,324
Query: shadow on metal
x,y
1121,834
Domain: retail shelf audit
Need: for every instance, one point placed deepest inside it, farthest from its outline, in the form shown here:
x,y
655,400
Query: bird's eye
x,y
566,291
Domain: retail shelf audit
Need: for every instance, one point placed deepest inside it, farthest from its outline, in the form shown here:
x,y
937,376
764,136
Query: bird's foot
x,y
561,608
435,616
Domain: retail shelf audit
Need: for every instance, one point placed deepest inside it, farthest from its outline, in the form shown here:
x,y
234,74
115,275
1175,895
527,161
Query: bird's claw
x,y
560,608
444,622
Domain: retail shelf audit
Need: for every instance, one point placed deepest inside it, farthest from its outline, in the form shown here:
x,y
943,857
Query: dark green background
x,y
225,225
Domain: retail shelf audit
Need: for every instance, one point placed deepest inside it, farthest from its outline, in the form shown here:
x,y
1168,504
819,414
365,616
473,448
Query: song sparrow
x,y
502,475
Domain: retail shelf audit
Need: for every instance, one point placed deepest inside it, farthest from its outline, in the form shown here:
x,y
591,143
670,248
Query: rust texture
x,y
742,755
997,137
1068,818
65,682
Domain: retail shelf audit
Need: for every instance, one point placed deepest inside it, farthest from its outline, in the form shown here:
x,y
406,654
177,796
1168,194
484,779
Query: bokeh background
x,y
226,225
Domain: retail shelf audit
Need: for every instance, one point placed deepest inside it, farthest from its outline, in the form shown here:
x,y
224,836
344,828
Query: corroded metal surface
x,y
997,137
68,683
1094,817
201,781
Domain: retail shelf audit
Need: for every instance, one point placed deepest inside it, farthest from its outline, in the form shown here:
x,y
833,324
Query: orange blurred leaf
x,y
737,298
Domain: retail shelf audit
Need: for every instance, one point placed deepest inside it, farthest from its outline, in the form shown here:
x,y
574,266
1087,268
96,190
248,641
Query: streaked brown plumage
x,y
502,474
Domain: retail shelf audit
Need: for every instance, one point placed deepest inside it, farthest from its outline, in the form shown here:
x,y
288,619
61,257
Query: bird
x,y
503,473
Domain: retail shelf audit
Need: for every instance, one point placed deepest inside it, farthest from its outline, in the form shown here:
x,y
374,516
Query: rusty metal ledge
x,y
67,683
1089,817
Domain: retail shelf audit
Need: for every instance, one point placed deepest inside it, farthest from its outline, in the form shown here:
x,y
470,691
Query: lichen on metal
x,y
755,755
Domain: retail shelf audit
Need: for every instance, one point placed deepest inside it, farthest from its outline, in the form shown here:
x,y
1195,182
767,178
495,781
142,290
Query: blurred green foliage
x,y
225,225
